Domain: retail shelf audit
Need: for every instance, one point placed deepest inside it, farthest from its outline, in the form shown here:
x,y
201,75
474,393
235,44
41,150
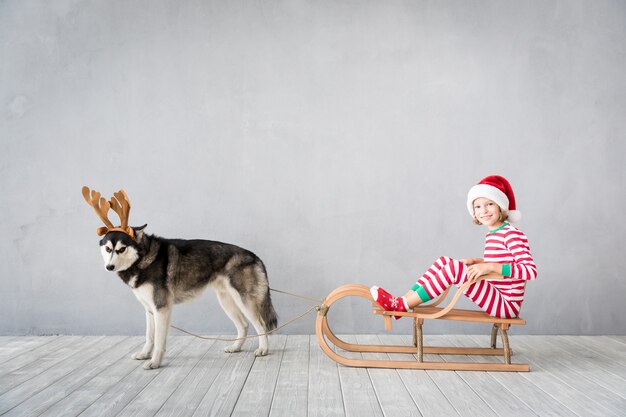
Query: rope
x,y
314,308
297,295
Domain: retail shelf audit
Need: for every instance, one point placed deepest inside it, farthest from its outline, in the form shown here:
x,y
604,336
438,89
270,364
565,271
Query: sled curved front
x,y
325,335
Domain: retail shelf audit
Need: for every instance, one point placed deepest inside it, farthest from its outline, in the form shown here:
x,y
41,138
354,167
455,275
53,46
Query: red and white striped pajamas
x,y
500,298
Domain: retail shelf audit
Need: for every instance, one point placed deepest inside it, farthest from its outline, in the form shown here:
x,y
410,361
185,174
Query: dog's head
x,y
119,250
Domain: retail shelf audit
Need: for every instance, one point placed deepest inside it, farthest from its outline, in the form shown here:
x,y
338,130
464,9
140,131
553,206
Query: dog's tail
x,y
268,314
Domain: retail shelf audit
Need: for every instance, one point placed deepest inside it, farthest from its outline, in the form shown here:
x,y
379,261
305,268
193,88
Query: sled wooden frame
x,y
419,314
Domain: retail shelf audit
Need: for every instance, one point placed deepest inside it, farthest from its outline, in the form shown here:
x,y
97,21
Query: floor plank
x,y
359,397
621,339
95,376
609,348
33,362
324,385
92,362
426,394
393,397
258,391
83,397
550,383
115,399
150,400
575,390
221,397
612,343
599,371
185,399
583,351
458,392
79,353
488,388
291,392
11,347
516,384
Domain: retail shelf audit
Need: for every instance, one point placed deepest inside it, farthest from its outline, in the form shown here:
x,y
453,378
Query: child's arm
x,y
524,266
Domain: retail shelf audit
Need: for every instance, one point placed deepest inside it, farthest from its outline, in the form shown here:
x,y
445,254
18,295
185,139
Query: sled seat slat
x,y
454,314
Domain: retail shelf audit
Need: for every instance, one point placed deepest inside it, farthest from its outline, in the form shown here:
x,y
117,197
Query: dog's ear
x,y
139,232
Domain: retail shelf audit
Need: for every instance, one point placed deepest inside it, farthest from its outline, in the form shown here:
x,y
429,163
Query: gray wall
x,y
336,139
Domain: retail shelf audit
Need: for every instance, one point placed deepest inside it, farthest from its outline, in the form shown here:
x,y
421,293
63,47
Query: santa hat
x,y
498,190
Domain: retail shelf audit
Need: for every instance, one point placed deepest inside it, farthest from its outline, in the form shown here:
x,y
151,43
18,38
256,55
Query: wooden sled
x,y
419,314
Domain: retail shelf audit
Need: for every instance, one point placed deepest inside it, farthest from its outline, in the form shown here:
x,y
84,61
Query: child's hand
x,y
478,270
471,261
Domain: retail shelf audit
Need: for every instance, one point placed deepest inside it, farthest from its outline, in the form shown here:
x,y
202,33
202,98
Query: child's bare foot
x,y
387,301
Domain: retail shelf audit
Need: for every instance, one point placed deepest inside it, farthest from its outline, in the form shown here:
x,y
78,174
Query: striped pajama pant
x,y
486,294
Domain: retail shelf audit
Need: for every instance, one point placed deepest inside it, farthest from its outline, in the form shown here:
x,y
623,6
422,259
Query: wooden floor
x,y
94,376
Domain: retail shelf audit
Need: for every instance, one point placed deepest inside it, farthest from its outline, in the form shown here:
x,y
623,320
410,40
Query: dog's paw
x,y
151,364
233,349
140,356
260,352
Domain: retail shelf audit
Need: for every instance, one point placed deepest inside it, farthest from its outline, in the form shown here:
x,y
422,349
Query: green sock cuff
x,y
421,292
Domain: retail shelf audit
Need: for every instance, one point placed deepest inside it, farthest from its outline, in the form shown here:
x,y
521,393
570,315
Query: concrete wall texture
x,y
335,139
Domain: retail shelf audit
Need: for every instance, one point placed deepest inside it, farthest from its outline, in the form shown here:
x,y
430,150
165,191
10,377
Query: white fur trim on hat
x,y
492,193
515,216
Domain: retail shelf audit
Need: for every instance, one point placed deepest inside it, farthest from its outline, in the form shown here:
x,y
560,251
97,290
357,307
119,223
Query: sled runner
x,y
419,314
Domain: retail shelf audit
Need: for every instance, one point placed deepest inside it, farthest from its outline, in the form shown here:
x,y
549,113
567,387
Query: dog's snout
x,y
110,267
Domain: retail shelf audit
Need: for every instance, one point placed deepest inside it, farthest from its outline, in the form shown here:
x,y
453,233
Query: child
x,y
507,259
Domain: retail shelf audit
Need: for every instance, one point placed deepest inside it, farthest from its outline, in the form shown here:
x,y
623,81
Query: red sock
x,y
387,301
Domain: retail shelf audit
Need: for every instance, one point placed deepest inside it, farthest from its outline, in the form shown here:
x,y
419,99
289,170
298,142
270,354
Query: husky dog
x,y
162,272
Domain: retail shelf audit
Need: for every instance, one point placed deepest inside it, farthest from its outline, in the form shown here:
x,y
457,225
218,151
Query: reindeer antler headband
x,y
120,204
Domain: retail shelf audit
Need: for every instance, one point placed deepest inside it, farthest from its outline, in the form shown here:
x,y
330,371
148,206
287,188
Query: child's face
x,y
487,212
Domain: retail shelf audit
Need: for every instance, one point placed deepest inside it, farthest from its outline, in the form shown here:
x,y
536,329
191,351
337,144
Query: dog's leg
x,y
146,352
260,330
161,328
254,319
234,313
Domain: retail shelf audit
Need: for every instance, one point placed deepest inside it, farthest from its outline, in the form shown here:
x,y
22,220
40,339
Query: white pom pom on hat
x,y
497,189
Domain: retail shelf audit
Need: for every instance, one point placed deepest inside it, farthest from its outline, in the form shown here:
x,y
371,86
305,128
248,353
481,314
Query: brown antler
x,y
121,205
101,206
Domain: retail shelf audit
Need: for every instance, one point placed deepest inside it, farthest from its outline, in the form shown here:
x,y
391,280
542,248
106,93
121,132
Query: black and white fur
x,y
163,272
